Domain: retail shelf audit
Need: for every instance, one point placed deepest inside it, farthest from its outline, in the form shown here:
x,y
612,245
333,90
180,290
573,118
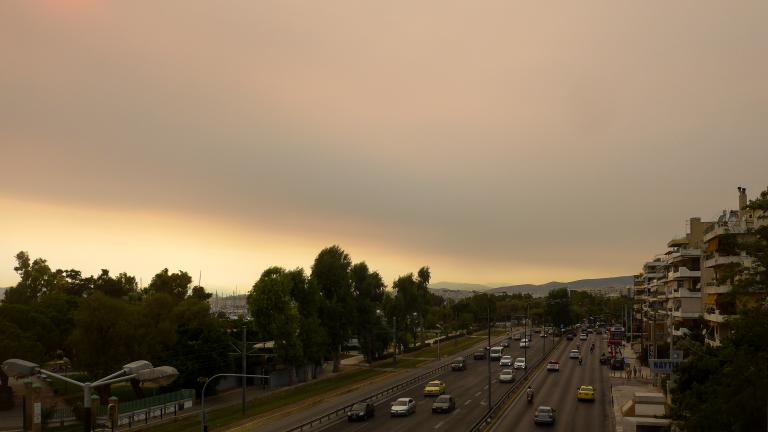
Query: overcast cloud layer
x,y
495,141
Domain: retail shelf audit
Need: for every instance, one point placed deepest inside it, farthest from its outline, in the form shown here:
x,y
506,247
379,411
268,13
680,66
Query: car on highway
x,y
574,354
434,388
505,344
496,352
459,364
443,404
570,336
505,361
583,336
517,336
360,411
525,343
479,355
544,335
507,376
544,415
553,366
519,363
585,393
402,407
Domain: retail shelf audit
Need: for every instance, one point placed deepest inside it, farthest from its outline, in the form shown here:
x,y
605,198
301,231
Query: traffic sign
x,y
663,365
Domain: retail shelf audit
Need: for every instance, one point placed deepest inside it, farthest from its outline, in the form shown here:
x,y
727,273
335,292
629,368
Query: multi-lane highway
x,y
469,388
558,390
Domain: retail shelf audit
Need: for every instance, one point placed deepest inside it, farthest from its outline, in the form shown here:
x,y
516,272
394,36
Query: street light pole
x,y
489,353
203,416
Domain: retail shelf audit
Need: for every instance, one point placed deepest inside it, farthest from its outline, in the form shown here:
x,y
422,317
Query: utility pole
x,y
243,359
394,338
490,401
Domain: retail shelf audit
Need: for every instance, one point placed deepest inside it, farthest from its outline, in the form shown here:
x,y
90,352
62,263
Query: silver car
x,y
544,415
403,407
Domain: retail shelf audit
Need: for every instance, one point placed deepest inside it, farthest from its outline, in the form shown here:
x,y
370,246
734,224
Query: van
x,y
496,352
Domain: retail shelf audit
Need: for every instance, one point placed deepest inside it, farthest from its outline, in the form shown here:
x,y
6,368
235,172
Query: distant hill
x,y
617,282
461,290
457,286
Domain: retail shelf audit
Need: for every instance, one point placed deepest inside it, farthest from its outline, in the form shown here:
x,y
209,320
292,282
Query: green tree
x,y
276,315
368,288
330,274
558,307
314,341
175,285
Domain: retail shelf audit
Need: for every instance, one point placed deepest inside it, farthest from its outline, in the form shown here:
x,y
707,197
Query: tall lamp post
x,y
141,370
203,416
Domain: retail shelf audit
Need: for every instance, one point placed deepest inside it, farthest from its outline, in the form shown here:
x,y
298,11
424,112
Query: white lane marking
x,y
486,387
467,402
482,402
456,410
438,425
478,394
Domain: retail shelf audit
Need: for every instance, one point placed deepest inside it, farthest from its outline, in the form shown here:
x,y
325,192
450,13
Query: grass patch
x,y
227,416
450,348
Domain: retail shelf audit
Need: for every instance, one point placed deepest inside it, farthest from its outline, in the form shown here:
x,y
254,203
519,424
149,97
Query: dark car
x,y
479,355
544,415
459,364
570,336
444,404
360,411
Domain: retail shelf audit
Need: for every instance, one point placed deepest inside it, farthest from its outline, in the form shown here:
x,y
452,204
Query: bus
x,y
496,352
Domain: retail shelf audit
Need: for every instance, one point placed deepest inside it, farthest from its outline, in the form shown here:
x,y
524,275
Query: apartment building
x,y
720,259
686,283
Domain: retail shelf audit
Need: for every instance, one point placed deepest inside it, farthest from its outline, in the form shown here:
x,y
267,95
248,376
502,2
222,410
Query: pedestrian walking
x,y
634,371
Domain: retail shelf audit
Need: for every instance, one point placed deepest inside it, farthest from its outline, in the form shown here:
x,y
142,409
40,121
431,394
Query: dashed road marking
x,y
478,394
467,402
438,425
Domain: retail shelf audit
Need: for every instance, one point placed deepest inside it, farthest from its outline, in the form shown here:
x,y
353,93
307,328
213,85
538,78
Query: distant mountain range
x,y
460,290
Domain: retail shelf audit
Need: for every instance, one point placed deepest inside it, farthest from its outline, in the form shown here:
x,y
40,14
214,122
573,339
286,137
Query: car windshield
x,y
458,360
401,403
544,411
358,406
507,372
443,399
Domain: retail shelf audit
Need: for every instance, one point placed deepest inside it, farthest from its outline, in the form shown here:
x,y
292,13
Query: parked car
x,y
459,364
434,388
519,363
507,376
553,366
585,393
361,411
505,361
479,355
403,407
544,415
443,404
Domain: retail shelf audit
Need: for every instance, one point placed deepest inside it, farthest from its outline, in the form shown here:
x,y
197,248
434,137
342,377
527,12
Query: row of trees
x,y
102,322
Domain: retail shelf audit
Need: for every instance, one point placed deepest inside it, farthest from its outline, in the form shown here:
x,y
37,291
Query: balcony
x,y
714,315
682,273
684,293
680,254
715,260
712,287
723,228
685,314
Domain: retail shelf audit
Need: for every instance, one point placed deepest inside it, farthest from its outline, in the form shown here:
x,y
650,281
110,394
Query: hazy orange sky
x,y
495,141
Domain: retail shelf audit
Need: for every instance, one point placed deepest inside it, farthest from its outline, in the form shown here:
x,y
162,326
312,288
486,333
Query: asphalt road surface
x,y
469,388
558,390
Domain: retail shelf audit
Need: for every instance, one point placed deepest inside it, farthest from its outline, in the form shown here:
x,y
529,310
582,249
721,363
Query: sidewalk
x,y
623,388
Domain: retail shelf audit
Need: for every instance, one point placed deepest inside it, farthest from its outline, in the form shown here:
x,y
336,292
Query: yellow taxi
x,y
434,388
585,393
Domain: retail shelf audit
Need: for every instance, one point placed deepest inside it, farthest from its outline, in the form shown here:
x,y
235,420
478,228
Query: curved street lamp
x,y
141,370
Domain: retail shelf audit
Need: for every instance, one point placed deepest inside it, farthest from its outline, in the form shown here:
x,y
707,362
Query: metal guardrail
x,y
376,397
495,409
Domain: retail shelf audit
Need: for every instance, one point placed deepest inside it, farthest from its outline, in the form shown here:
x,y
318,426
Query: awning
x,y
710,300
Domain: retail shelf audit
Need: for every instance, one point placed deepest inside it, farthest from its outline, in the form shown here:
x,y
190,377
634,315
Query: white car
x,y
583,336
519,363
403,407
574,354
553,366
507,376
525,343
505,361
